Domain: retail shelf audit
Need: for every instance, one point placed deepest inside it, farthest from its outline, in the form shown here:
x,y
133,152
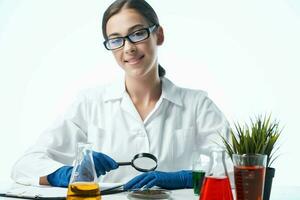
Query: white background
x,y
244,53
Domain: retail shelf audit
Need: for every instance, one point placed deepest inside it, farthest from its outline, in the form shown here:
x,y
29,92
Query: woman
x,y
145,112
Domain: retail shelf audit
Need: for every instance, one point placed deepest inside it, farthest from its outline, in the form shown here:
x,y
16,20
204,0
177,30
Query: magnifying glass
x,y
143,162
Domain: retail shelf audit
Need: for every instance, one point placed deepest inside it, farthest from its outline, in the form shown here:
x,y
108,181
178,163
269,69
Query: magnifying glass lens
x,y
144,163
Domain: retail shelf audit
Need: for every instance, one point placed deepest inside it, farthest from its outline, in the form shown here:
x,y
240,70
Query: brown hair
x,y
142,7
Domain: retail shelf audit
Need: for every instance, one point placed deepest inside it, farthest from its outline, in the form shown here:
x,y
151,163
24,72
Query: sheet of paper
x,y
33,191
45,191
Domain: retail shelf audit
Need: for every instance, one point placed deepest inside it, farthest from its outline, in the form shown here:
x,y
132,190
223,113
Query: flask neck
x,y
218,167
84,168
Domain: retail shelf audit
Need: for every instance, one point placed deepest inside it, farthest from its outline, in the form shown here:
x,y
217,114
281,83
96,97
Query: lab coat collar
x,y
170,91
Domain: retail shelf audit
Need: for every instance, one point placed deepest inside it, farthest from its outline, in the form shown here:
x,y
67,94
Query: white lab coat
x,y
183,121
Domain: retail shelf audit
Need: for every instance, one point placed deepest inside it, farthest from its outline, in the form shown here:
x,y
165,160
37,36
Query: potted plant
x,y
258,138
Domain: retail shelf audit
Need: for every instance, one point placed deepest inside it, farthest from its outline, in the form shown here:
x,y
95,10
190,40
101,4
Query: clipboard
x,y
45,193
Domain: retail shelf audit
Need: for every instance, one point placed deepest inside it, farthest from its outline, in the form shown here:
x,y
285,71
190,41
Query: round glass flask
x,y
216,184
84,182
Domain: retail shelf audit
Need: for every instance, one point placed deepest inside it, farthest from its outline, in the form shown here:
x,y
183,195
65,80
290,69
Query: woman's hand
x,y
167,180
103,164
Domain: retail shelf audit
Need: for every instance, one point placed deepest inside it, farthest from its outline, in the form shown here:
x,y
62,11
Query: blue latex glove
x,y
167,180
61,177
103,164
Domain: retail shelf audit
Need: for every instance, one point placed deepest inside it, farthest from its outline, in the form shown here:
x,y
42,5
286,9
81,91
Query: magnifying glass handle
x,y
123,163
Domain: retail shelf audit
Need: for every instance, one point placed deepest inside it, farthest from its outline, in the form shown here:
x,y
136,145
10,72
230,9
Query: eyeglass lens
x,y
134,37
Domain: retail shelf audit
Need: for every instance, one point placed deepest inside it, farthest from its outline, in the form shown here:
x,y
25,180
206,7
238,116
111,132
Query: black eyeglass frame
x,y
149,30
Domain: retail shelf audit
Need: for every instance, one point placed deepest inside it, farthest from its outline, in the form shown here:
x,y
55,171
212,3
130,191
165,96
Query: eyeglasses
x,y
134,37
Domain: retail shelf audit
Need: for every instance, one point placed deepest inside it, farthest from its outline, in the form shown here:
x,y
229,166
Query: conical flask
x,y
216,184
84,182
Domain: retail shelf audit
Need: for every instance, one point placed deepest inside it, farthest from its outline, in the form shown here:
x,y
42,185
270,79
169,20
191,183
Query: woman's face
x,y
138,59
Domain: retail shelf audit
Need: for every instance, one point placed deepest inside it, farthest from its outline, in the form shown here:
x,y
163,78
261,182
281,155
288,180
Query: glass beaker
x,y
199,168
84,182
249,175
216,185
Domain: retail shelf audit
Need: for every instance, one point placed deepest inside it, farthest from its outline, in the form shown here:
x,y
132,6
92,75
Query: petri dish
x,y
149,194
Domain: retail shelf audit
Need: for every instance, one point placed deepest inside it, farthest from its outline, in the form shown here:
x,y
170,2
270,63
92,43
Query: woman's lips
x,y
133,61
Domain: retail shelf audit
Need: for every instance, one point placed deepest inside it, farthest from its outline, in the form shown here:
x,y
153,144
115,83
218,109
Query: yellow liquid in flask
x,y
83,191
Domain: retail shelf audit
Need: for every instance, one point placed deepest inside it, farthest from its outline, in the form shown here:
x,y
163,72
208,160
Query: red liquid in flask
x,y
216,188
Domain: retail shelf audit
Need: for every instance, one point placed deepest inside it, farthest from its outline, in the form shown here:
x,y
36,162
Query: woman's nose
x,y
129,47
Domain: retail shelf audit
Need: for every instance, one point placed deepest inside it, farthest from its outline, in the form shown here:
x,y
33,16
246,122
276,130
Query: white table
x,y
278,193
175,194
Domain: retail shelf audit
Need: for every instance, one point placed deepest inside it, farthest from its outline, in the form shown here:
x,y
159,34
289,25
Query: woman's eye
x,y
140,33
115,41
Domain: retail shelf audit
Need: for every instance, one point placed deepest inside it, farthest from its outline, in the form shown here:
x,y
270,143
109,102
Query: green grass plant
x,y
260,137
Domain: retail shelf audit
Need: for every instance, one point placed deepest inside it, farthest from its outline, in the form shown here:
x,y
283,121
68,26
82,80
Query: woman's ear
x,y
160,36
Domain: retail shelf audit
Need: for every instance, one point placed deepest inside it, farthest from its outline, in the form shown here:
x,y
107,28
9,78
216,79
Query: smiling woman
x,y
144,112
